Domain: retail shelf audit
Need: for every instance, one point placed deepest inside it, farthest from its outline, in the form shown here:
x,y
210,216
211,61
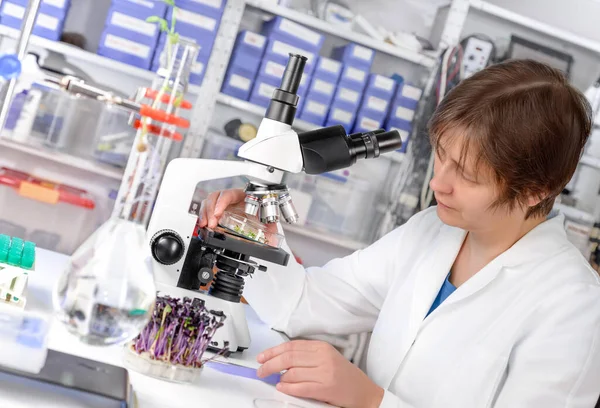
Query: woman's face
x,y
464,195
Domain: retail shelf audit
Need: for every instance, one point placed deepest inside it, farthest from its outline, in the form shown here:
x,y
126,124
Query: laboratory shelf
x,y
77,53
329,238
421,58
88,165
533,24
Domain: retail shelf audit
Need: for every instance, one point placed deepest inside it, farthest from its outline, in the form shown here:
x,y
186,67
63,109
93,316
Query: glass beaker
x,y
107,293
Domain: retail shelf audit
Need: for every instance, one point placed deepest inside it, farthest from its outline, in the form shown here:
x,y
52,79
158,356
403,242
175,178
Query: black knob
x,y
167,247
205,275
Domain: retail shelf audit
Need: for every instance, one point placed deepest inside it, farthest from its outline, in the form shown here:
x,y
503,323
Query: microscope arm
x,y
171,219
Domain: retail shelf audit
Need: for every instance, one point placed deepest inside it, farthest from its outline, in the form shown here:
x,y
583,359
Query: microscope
x,y
185,257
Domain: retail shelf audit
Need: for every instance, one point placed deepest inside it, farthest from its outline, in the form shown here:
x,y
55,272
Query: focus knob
x,y
205,275
167,247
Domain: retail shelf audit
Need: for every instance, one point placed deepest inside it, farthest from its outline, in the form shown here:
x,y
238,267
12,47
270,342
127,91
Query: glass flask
x,y
107,293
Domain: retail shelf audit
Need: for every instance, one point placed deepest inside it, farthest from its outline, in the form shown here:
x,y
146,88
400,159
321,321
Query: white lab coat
x,y
522,332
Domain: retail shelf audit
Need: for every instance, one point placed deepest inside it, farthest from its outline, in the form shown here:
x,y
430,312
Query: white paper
x,y
341,115
197,68
13,10
266,90
133,24
56,3
369,124
46,21
323,87
384,83
274,69
348,95
355,74
405,113
299,31
329,65
285,49
256,40
211,3
240,82
362,53
411,92
196,19
316,108
377,104
128,46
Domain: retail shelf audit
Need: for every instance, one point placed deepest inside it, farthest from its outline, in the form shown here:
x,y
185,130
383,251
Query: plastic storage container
x,y
354,55
408,96
122,49
55,216
262,93
125,21
56,8
340,116
314,111
328,70
365,122
211,8
353,78
321,90
46,25
114,136
294,34
237,85
142,8
197,25
381,86
247,53
347,99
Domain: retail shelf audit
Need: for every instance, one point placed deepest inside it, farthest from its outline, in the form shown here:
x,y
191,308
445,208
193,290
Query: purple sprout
x,y
179,331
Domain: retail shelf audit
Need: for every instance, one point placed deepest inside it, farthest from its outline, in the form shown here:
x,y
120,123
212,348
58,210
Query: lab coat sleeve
x,y
342,297
557,364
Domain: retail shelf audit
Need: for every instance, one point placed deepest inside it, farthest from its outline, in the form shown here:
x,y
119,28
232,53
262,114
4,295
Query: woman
x,y
478,302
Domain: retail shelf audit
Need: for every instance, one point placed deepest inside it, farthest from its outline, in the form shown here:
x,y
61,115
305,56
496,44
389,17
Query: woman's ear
x,y
535,199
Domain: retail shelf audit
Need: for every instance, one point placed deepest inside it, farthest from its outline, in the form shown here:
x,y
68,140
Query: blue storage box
x,y
247,53
354,55
205,45
271,72
210,8
364,123
320,90
408,94
279,51
195,25
237,86
46,26
381,86
125,50
55,8
340,116
347,99
328,70
293,33
122,24
262,92
314,112
141,8
353,78
398,112
375,104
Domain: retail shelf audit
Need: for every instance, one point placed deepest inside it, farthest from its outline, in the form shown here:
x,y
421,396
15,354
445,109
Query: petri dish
x,y
249,229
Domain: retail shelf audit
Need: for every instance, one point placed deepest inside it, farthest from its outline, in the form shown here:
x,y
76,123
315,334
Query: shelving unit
x,y
422,58
533,24
88,165
68,50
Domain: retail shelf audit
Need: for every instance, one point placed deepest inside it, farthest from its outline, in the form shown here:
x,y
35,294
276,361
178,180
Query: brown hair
x,y
526,122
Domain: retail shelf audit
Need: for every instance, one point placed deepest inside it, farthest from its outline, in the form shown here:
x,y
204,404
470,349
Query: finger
x,y
301,390
299,374
295,345
227,198
211,202
207,208
288,360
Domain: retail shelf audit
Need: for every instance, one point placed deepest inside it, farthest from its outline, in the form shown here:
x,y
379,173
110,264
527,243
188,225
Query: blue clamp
x,y
10,67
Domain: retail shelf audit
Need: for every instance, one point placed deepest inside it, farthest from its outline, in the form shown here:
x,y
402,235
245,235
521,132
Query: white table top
x,y
213,389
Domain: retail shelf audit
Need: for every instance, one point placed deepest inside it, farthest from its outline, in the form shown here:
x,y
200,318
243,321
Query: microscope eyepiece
x,y
284,101
329,148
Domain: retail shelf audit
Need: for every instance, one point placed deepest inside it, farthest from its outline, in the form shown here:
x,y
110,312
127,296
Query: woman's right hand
x,y
216,203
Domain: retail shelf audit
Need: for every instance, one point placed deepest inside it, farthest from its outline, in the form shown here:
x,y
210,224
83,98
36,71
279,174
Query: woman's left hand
x,y
318,371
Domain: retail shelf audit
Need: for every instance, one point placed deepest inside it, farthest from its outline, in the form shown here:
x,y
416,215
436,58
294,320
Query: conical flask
x,y
107,293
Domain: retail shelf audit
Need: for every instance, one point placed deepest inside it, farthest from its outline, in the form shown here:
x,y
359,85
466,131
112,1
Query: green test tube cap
x,y
4,247
28,258
15,253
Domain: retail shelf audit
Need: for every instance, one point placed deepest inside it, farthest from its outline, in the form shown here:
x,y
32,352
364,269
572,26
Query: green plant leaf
x,y
174,38
164,26
170,2
153,19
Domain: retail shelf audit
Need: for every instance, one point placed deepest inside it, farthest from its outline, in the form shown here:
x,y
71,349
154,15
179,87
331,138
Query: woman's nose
x,y
440,182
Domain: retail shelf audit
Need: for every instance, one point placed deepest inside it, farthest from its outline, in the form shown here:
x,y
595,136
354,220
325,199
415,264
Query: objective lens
x,y
288,211
251,205
269,209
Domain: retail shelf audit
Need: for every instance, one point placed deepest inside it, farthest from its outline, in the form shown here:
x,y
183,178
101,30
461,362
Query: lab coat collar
x,y
548,237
